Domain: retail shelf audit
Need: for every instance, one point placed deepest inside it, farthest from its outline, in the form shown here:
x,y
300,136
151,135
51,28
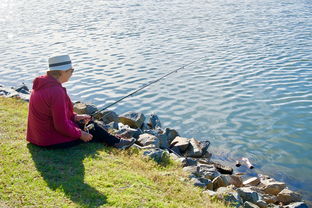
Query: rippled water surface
x,y
250,96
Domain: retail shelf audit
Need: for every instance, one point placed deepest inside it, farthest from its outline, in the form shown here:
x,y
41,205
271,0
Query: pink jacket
x,y
50,116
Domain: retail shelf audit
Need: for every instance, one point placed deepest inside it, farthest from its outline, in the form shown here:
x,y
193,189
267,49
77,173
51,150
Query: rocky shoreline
x,y
159,143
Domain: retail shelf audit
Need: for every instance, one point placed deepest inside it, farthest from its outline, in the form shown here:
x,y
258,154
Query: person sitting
x,y
52,121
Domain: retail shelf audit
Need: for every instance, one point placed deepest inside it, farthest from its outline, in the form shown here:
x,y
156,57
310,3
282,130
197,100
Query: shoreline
x,y
158,143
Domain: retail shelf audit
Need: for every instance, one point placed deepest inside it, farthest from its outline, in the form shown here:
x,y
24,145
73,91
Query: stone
x,y
229,195
133,119
209,192
154,122
254,181
163,141
219,182
156,155
194,149
234,180
188,162
198,183
83,108
262,204
148,140
248,204
287,196
296,205
274,187
171,134
181,143
23,89
192,170
107,116
208,171
202,182
248,195
129,133
223,169
270,199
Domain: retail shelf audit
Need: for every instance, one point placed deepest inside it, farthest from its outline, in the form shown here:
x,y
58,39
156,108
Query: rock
x,y
202,182
156,155
129,132
205,145
163,141
248,204
107,116
270,199
181,143
248,195
194,149
134,120
274,188
154,122
192,170
148,140
23,89
188,162
209,192
171,134
254,181
296,205
83,108
228,194
223,169
208,171
197,182
219,182
287,196
262,204
234,180
207,156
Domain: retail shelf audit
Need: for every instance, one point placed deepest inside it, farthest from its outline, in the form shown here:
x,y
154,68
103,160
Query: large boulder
x,y
84,108
218,182
132,119
148,140
194,149
234,180
287,196
181,143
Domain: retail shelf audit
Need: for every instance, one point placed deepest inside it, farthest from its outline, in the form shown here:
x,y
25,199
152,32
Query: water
x,y
251,97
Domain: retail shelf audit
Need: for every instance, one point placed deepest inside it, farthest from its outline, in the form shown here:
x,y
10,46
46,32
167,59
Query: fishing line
x,y
148,84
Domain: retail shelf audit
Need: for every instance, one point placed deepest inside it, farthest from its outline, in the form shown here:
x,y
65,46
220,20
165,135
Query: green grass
x,y
88,175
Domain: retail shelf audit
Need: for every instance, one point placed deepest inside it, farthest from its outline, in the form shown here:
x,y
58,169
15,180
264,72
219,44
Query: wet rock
x,y
181,143
223,169
133,119
83,108
287,196
154,122
274,187
171,134
254,181
194,149
296,205
208,171
248,195
248,204
148,140
157,155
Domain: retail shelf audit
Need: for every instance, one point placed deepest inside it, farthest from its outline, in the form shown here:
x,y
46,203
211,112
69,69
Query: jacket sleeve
x,y
61,123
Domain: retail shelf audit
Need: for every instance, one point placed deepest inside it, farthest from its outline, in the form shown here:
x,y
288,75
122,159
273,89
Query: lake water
x,y
251,96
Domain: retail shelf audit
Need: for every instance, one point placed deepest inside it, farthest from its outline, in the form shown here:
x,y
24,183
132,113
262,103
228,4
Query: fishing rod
x,y
148,84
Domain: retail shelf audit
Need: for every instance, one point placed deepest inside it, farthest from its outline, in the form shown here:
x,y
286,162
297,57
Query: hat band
x,y
60,64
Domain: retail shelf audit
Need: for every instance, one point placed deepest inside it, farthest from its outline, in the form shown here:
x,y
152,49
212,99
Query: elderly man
x,y
51,119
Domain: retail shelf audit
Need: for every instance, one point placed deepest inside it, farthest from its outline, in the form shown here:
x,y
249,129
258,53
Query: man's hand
x,y
86,137
86,118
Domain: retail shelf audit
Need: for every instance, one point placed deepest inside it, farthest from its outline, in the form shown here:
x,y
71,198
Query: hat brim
x,y
61,68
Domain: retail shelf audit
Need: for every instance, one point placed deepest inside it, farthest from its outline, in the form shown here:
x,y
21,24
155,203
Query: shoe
x,y
124,143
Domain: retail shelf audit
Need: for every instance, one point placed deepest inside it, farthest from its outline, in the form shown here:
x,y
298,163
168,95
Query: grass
x,y
88,175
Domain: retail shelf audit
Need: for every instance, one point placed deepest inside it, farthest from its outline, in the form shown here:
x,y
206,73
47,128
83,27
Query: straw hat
x,y
62,63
